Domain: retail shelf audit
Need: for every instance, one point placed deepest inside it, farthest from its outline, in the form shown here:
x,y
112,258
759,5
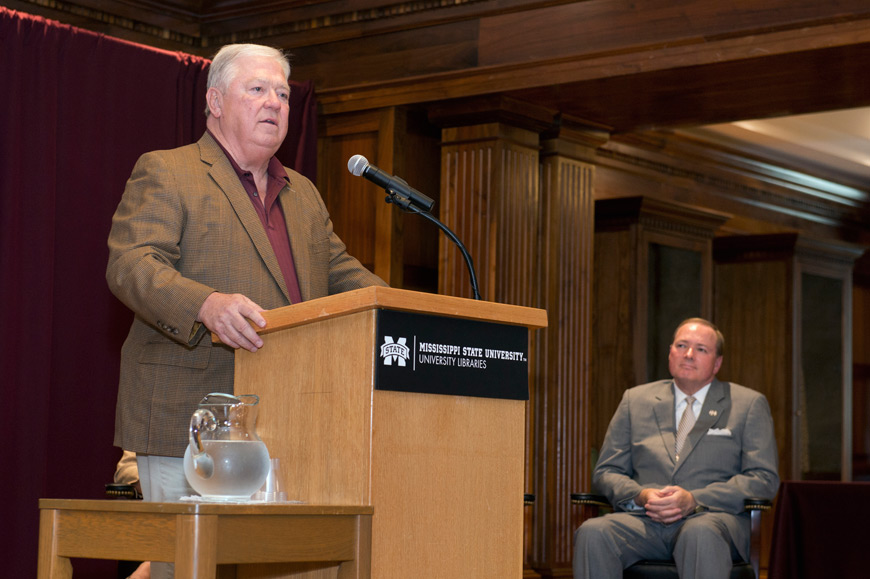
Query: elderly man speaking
x,y
205,238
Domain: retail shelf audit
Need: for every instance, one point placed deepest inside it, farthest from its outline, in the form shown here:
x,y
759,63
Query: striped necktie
x,y
687,421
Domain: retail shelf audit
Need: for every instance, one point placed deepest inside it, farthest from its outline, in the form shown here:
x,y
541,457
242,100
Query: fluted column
x,y
561,381
523,205
490,199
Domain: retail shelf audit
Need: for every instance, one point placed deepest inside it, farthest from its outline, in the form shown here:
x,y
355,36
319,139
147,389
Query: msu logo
x,y
394,351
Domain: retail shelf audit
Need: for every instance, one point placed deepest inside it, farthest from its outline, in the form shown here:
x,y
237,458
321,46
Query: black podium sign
x,y
439,355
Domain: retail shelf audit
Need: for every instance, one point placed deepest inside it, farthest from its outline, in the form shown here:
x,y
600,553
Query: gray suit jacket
x,y
185,227
729,455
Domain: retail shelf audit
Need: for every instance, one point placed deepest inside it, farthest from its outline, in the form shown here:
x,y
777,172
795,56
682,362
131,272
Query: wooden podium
x,y
444,473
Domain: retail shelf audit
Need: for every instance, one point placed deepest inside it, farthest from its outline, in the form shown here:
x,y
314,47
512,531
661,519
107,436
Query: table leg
x,y
196,547
361,565
50,565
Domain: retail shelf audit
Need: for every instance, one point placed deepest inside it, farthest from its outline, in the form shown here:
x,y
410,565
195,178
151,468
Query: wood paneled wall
x,y
519,192
757,321
631,327
791,345
400,248
792,342
861,369
384,70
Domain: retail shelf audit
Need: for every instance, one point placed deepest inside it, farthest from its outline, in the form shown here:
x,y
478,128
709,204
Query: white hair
x,y
224,65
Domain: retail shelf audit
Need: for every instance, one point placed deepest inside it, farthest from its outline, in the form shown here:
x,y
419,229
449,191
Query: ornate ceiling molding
x,y
740,177
251,21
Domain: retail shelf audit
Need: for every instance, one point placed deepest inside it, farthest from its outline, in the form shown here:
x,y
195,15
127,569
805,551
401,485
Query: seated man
x,y
679,458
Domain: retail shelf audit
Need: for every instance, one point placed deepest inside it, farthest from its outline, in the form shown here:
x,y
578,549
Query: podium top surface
x,y
372,298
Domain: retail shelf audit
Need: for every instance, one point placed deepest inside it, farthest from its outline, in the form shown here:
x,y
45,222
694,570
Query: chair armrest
x,y
122,491
590,499
757,504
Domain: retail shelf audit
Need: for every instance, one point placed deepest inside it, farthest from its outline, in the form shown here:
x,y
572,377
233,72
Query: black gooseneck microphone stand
x,y
405,205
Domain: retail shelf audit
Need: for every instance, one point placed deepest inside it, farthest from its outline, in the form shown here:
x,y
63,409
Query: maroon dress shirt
x,y
271,215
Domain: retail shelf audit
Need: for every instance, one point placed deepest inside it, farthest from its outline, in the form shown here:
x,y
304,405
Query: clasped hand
x,y
667,505
227,316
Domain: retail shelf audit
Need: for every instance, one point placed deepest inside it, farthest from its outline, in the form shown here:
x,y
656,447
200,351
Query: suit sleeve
x,y
613,474
758,476
144,248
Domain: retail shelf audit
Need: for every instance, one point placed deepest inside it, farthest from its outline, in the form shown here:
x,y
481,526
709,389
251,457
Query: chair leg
x,y
755,541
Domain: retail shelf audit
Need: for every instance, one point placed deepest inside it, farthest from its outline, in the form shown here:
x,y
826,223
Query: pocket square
x,y
719,432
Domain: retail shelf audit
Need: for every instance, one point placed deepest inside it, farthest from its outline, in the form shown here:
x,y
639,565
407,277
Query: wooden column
x,y
388,220
561,379
492,196
490,199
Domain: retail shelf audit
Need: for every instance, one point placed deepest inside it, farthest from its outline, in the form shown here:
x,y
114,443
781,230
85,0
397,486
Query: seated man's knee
x,y
702,531
592,531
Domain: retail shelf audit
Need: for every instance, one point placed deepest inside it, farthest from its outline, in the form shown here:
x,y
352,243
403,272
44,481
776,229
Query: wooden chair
x,y
592,504
124,492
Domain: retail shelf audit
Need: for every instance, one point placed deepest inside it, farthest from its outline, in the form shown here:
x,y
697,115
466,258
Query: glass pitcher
x,y
225,459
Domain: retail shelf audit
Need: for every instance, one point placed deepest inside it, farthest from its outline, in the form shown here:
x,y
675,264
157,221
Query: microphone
x,y
411,201
360,167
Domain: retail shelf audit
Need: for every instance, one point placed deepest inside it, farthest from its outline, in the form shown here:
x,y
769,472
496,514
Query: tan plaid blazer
x,y
184,228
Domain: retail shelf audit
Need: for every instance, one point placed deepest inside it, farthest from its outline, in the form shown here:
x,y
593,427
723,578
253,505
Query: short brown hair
x,y
720,339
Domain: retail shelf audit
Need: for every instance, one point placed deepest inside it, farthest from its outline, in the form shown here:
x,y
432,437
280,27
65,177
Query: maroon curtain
x,y
76,111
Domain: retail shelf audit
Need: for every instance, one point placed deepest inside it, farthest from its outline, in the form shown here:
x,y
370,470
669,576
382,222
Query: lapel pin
x,y
713,413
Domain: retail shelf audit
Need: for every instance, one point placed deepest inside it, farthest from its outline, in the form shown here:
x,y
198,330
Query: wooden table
x,y
199,536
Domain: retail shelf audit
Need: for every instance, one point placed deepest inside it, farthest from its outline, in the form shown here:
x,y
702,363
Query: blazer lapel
x,y
664,413
225,177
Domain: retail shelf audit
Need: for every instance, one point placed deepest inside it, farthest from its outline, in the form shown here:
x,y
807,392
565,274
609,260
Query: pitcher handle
x,y
202,462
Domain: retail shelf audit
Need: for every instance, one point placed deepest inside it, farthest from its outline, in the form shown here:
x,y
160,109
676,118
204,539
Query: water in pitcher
x,y
240,467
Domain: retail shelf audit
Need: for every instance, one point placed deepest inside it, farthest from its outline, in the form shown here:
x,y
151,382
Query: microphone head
x,y
357,164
